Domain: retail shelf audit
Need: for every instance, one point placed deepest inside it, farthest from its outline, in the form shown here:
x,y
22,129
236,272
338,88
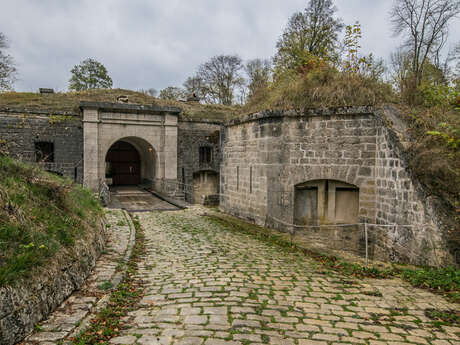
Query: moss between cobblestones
x,y
445,281
107,323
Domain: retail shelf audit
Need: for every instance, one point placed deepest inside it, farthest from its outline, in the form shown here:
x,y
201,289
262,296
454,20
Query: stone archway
x,y
130,161
151,130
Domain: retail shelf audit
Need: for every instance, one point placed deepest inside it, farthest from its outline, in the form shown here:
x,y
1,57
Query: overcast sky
x,y
157,43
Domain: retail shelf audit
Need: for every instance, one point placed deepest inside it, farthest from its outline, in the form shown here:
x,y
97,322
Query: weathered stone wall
x,y
282,150
26,303
22,129
193,135
401,200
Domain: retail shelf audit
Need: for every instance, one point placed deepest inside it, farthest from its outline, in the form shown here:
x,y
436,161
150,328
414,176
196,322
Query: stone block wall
x,y
20,130
191,136
27,302
266,155
401,200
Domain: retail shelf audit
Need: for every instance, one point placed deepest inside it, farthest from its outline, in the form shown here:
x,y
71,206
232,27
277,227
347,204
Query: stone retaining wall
x,y
266,156
32,300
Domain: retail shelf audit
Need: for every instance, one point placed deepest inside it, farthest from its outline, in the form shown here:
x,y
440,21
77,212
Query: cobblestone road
x,y
206,285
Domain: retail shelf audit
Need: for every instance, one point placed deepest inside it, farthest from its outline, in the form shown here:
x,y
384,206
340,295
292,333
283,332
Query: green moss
x,y
444,281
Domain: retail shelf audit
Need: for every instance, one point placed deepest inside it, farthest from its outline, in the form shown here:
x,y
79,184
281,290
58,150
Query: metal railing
x,y
373,236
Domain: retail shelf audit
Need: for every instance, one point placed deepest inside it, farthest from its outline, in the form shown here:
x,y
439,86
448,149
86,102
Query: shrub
x,y
320,87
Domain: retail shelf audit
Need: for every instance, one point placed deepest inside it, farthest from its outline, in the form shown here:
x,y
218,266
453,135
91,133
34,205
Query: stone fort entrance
x,y
127,144
123,164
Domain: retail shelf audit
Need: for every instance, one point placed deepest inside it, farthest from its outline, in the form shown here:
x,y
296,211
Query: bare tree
x,y
195,86
221,77
149,92
7,69
400,61
172,93
259,74
424,23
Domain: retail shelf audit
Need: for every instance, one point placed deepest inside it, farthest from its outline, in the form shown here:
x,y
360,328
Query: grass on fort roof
x,y
70,102
41,216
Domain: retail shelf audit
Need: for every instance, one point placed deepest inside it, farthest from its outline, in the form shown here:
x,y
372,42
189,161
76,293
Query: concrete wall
x,y
192,136
21,129
353,146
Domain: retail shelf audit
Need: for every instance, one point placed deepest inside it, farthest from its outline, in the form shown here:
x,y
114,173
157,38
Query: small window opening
x,y
44,152
205,154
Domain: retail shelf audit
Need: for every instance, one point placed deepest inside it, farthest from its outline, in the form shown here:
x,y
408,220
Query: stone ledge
x,y
204,121
272,114
129,108
6,110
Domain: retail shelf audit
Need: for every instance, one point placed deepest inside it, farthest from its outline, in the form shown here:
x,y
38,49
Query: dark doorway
x,y
123,164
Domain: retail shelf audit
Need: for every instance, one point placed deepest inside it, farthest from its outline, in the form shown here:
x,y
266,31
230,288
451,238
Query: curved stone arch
x,y
147,152
328,201
306,183
347,174
198,170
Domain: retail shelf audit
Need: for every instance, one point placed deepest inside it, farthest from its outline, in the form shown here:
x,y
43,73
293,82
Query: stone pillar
x,y
321,201
170,147
331,201
91,148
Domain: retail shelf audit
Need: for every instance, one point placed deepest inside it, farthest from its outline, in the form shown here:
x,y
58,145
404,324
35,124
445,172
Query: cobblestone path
x,y
207,285
68,318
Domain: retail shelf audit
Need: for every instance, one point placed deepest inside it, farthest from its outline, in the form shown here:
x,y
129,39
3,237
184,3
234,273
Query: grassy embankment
x,y
70,102
40,215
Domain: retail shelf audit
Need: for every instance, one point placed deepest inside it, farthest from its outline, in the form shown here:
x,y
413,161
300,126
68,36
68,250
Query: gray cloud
x,y
153,43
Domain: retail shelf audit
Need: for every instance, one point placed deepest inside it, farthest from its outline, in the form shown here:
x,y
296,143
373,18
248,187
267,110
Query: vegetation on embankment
x,y
445,281
40,214
319,88
434,159
70,102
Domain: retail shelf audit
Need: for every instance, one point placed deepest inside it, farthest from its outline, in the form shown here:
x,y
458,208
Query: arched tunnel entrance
x,y
123,164
130,161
